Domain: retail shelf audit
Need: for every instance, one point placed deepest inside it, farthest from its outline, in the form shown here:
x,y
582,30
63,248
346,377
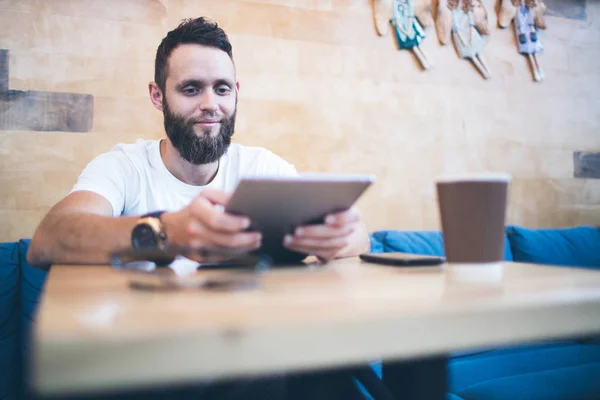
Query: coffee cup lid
x,y
475,177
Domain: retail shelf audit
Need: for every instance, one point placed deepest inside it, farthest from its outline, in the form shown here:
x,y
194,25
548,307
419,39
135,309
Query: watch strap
x,y
154,214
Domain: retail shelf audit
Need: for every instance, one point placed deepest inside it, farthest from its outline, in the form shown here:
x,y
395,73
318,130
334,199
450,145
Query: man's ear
x,y
237,86
156,96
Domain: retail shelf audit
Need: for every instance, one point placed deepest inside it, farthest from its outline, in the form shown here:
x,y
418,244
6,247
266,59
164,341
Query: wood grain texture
x,y
94,332
321,89
17,223
75,151
46,111
280,21
80,74
574,200
27,110
587,165
29,196
48,33
147,12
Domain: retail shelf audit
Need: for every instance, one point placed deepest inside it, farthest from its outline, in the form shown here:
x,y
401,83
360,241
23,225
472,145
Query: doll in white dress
x,y
465,21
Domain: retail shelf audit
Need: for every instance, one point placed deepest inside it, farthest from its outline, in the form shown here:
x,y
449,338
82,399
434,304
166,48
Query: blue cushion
x,y
578,382
32,284
468,371
578,246
429,243
10,365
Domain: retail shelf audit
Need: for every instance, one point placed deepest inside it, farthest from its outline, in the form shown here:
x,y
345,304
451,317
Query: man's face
x,y
199,102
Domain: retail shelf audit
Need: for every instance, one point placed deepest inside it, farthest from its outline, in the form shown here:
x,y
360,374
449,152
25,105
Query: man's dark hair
x,y
190,31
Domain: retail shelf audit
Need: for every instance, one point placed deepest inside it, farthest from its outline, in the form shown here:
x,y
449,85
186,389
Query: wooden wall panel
x,y
26,189
321,89
74,152
45,111
121,115
80,74
335,27
39,32
322,5
147,12
17,224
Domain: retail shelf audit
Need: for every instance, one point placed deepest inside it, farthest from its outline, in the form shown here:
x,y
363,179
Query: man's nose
x,y
208,102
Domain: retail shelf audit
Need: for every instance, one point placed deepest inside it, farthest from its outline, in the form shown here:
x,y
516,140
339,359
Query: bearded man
x,y
178,185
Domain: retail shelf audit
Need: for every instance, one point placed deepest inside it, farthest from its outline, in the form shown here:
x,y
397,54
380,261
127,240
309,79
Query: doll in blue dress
x,y
408,30
407,18
528,15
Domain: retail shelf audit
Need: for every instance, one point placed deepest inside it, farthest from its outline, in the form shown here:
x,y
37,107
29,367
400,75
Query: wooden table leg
x,y
417,379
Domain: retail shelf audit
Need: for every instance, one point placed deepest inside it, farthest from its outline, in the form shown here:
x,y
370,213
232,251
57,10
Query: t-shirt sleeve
x,y
111,175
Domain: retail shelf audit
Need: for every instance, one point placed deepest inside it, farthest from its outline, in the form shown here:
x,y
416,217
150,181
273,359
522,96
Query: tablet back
x,y
276,206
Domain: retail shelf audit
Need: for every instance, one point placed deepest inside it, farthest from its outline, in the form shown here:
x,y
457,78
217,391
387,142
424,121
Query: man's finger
x,y
216,196
212,218
344,217
246,240
315,243
322,254
324,231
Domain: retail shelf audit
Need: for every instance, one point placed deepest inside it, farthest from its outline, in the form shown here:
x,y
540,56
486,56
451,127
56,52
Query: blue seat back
x,y
430,243
20,289
10,330
578,246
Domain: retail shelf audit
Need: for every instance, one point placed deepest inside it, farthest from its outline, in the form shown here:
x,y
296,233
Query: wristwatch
x,y
149,232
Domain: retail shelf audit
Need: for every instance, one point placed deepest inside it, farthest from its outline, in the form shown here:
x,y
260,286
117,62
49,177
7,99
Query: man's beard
x,y
197,149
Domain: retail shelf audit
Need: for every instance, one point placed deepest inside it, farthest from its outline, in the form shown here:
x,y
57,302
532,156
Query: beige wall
x,y
321,89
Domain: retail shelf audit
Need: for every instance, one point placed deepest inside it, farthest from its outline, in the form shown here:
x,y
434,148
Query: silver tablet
x,y
276,206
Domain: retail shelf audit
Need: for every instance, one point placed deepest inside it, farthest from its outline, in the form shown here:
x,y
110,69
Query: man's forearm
x,y
79,238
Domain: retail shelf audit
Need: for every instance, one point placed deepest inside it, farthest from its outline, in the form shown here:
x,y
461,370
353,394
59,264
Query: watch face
x,y
143,237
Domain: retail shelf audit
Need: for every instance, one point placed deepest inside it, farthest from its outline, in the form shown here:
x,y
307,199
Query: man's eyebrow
x,y
201,83
190,82
226,82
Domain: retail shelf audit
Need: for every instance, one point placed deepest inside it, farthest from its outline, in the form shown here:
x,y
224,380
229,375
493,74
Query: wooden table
x,y
93,331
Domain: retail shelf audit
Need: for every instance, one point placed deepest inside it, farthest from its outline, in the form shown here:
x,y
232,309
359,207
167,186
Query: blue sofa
x,y
568,369
20,288
559,370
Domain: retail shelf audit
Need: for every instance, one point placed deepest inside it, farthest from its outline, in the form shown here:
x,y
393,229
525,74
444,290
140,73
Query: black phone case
x,y
401,261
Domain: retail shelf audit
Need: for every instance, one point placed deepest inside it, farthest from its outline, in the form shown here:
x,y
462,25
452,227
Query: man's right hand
x,y
204,224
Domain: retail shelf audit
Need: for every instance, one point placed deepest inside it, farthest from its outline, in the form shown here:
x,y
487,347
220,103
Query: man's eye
x,y
223,90
190,91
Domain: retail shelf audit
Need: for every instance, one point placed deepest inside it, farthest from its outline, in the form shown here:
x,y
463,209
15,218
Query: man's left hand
x,y
342,235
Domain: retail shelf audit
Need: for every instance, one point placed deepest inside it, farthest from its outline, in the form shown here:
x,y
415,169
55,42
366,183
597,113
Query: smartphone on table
x,y
402,259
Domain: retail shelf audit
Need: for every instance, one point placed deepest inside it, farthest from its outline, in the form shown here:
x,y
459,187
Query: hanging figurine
x,y
408,31
465,21
527,15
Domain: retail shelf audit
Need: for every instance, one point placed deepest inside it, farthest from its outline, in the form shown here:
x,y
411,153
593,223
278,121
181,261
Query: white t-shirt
x,y
134,179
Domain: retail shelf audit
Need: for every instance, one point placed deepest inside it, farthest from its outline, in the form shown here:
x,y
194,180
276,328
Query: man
x,y
179,184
